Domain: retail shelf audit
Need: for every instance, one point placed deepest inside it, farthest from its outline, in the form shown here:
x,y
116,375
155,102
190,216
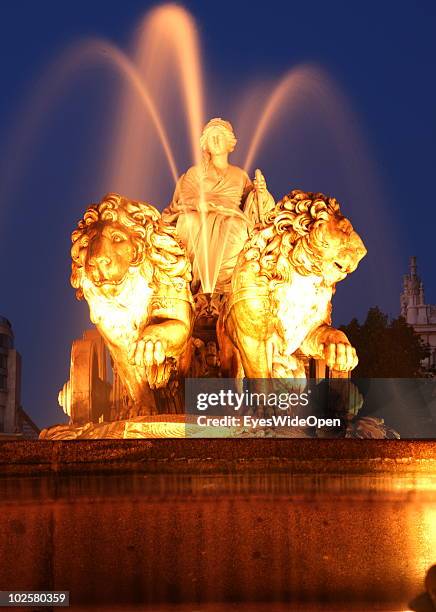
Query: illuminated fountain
x,y
167,293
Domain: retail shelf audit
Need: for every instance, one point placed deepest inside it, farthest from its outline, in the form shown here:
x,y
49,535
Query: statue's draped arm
x,y
247,189
256,206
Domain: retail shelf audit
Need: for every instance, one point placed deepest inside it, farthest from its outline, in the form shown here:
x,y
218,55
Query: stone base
x,y
159,426
156,426
185,426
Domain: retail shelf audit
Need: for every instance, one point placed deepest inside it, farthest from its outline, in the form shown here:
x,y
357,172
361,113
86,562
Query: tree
x,y
386,349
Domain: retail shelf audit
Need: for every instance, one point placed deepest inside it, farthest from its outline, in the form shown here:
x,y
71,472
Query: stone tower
x,y
13,419
10,379
417,313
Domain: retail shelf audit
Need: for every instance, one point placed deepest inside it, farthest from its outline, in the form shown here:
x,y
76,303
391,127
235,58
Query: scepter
x,y
261,190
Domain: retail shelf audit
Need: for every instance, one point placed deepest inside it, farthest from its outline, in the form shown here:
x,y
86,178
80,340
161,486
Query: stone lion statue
x,y
279,308
134,274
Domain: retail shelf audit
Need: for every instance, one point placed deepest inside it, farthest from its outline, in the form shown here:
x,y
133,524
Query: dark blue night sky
x,y
380,55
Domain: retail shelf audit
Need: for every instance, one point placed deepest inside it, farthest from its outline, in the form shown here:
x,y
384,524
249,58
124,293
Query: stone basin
x,y
214,525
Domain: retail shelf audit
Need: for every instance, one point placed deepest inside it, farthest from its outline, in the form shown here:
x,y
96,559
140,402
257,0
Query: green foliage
x,y
386,349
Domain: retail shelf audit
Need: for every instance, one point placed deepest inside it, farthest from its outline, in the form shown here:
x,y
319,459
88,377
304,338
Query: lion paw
x,y
338,353
147,352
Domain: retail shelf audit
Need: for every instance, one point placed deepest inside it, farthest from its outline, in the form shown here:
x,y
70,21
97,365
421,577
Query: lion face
x,y
108,253
118,239
307,234
338,249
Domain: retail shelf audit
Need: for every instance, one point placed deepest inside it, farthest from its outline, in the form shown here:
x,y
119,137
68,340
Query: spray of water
x,y
167,55
164,86
286,109
52,85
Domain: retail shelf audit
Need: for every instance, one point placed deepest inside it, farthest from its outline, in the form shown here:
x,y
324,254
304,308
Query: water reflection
x,y
322,540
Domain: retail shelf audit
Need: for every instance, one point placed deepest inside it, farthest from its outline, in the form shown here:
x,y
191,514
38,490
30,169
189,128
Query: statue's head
x,y
308,231
119,237
217,137
430,583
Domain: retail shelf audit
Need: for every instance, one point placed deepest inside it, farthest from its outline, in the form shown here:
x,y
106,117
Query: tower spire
x,y
413,267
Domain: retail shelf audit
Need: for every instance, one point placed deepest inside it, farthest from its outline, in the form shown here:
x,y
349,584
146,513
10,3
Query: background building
x,y
417,313
13,419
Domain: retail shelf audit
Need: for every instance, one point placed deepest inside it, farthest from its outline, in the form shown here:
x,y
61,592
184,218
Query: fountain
x,y
193,292
226,290
265,315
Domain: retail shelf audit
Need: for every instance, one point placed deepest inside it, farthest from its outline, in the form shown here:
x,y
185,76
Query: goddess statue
x,y
214,206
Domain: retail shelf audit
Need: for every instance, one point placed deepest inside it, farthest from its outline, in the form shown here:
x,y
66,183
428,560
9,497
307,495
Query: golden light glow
x,y
135,277
416,482
427,554
282,288
133,76
168,33
166,51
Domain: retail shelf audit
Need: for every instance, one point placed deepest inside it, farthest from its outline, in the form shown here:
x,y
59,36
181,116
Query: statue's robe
x,y
213,212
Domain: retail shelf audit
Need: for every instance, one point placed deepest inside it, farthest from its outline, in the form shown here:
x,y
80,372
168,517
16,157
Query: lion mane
x,y
155,241
290,235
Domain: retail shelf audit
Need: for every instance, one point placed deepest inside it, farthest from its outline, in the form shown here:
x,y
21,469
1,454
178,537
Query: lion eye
x,y
117,238
345,227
